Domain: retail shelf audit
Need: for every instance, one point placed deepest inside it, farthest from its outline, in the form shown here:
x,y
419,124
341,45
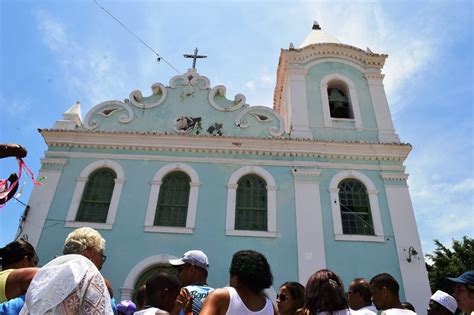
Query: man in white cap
x,y
441,303
192,269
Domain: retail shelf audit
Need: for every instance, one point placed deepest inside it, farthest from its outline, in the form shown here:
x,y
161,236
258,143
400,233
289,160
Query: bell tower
x,y
331,91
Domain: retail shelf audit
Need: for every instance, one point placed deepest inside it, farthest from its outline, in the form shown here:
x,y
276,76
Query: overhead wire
x,y
159,57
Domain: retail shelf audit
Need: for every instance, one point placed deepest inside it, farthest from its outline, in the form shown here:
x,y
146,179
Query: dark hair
x,y
15,252
362,287
252,270
159,281
296,290
140,297
385,280
324,292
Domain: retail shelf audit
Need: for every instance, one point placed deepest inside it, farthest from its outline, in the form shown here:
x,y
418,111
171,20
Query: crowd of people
x,y
72,284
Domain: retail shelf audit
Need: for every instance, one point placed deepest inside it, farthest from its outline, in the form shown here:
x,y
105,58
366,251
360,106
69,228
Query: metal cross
x,y
195,56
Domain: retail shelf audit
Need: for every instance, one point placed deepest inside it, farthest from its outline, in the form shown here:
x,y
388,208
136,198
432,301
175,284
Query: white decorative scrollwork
x,y
109,107
106,112
190,79
136,96
259,112
239,99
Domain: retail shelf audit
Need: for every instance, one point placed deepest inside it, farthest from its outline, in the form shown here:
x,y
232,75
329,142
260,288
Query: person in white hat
x,y
441,303
192,269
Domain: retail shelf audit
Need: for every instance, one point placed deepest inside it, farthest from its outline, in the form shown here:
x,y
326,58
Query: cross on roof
x,y
195,56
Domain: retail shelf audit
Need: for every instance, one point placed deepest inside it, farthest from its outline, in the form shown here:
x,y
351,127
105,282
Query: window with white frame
x,y
172,208
339,100
96,196
172,202
251,203
355,208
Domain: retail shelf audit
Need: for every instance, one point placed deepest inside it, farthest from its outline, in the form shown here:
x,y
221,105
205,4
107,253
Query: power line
x,y
136,36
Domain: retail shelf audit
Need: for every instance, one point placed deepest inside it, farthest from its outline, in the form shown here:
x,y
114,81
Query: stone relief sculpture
x,y
185,124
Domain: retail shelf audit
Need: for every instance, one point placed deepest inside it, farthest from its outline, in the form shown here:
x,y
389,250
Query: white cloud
x,y
366,24
89,71
250,85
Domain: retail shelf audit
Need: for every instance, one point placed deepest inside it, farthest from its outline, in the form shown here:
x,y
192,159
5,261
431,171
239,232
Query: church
x,y
316,182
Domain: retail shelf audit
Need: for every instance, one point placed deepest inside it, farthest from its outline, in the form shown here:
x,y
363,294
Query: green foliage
x,y
450,262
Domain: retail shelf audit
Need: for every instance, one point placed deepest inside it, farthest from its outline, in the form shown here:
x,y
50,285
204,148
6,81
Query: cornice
x,y
154,141
394,176
328,50
52,161
305,172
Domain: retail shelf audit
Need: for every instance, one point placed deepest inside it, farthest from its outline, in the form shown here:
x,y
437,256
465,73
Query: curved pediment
x,y
187,106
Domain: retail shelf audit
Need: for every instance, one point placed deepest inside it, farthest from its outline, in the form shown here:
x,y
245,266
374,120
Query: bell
x,y
338,104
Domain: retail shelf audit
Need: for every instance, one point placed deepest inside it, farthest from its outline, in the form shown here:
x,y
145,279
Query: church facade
x,y
316,182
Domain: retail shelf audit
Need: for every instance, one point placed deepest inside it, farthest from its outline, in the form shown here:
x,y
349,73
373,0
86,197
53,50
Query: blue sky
x,y
54,53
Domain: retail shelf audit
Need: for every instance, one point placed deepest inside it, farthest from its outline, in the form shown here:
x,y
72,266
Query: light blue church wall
x,y
128,244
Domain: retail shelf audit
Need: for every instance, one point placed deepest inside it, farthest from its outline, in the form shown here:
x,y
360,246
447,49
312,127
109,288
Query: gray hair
x,y
80,239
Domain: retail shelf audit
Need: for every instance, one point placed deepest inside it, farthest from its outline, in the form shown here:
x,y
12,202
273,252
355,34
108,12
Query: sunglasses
x,y
282,297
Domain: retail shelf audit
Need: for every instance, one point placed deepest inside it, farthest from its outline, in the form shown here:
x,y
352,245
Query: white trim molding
x,y
155,192
374,208
41,199
271,202
78,191
129,284
353,99
309,222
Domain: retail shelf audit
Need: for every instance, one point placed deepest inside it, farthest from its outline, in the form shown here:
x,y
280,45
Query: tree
x,y
450,263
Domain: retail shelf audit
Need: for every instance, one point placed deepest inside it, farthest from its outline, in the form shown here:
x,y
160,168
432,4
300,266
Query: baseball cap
x,y
465,278
192,257
445,300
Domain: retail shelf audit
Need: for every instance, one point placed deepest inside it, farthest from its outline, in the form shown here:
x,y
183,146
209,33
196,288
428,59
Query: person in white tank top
x,y
250,274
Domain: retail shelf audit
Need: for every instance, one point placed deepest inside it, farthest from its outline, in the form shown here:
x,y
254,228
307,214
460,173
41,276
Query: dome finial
x,y
316,25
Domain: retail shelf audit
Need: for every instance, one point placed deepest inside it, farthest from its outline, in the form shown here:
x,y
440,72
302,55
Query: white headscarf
x,y
69,284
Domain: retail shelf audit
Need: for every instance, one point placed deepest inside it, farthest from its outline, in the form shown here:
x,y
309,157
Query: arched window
x,y
355,208
251,204
173,200
95,201
338,98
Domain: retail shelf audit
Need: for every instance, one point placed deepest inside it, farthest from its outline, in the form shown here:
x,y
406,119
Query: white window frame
x,y
353,99
81,182
271,202
155,192
374,208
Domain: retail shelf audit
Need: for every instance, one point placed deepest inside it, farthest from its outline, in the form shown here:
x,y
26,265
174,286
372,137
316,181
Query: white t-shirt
x,y
151,311
397,311
366,310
